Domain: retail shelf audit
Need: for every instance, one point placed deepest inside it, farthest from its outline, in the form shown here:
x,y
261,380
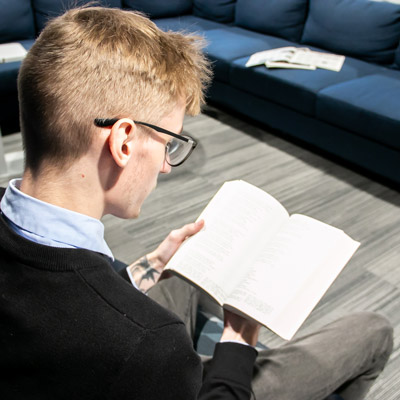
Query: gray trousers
x,y
344,357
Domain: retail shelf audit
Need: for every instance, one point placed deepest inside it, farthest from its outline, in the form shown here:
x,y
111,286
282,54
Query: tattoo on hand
x,y
144,274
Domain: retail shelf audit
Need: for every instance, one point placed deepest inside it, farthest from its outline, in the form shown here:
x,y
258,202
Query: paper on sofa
x,y
10,52
296,57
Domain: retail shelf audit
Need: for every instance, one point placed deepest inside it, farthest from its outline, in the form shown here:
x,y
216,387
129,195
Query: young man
x,y
103,94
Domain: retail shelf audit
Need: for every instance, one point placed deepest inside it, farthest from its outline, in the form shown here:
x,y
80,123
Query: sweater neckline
x,y
44,257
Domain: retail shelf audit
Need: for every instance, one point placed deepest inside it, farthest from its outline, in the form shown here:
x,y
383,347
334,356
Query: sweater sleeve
x,y
230,373
162,365
124,273
165,366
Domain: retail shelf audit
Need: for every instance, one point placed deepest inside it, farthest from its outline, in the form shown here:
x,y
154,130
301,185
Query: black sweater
x,y
72,328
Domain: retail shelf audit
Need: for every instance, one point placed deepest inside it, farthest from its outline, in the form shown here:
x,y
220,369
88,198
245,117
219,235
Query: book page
x,y
216,257
301,251
297,310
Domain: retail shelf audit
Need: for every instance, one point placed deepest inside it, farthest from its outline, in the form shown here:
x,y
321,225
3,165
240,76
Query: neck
x,y
75,189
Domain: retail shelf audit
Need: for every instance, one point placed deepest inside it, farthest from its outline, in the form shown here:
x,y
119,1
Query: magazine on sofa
x,y
256,260
296,57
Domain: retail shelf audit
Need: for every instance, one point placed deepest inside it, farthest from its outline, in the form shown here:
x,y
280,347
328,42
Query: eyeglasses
x,y
177,151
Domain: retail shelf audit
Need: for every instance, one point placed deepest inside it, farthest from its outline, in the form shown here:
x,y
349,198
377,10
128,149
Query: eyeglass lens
x,y
177,151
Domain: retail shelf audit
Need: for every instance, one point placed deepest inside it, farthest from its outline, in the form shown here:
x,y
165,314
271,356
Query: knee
x,y
376,327
372,321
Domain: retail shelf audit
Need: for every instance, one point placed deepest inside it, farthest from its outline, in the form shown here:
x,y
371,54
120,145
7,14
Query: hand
x,y
171,244
147,271
240,329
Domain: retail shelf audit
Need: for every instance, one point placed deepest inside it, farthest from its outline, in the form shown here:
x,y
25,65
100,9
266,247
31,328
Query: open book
x,y
10,52
259,262
296,58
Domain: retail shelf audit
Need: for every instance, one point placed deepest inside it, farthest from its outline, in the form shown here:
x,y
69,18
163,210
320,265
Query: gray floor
x,y
304,183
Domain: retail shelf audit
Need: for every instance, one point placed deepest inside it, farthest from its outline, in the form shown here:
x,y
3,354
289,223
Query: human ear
x,y
120,141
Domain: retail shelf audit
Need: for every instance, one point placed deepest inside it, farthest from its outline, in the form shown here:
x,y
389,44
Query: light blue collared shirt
x,y
50,225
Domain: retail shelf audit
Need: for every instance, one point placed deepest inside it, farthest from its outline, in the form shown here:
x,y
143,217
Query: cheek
x,y
149,161
157,155
151,165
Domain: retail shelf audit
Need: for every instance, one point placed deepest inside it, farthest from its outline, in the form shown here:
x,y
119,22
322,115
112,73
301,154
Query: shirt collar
x,y
51,225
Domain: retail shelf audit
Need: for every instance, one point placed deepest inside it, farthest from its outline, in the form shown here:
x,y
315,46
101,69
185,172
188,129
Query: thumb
x,y
195,227
187,230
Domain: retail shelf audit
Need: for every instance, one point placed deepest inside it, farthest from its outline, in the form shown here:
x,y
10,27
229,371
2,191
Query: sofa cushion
x,y
160,8
16,21
296,89
229,43
216,10
187,23
224,43
365,29
8,93
283,18
397,58
47,9
368,106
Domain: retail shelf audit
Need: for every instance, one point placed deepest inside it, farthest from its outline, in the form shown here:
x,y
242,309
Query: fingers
x,y
172,242
179,235
240,329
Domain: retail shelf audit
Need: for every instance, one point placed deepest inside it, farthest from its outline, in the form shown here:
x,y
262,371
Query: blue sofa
x,y
352,114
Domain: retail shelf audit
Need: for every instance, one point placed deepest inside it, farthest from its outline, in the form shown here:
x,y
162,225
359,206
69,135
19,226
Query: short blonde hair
x,y
102,63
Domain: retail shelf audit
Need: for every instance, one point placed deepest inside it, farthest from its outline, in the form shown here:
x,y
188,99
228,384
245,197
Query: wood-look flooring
x,y
230,148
